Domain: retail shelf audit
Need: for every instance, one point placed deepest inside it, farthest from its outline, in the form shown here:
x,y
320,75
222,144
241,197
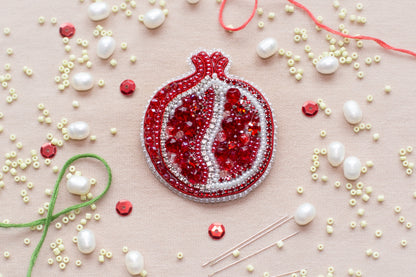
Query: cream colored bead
x,y
337,184
125,249
323,133
376,136
113,62
97,217
179,255
377,59
363,223
353,202
409,225
376,255
101,258
50,261
329,229
403,243
250,268
113,131
320,247
236,253
353,224
387,89
380,198
378,233
299,190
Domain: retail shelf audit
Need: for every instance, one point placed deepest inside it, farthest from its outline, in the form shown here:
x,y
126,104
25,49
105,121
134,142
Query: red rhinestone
x,y
310,108
48,150
216,230
67,30
124,207
233,95
127,87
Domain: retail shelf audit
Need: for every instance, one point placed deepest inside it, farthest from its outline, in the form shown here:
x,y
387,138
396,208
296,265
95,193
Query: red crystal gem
x,y
216,230
48,150
67,30
127,87
233,95
124,207
310,108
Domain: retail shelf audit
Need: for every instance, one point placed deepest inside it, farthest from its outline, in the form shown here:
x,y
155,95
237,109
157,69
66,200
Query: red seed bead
x,y
48,150
310,108
124,207
127,87
67,30
216,230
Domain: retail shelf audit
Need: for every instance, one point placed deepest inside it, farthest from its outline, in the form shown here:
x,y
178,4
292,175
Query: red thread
x,y
379,41
244,24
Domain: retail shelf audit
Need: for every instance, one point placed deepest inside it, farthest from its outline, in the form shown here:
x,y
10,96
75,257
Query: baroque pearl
x,y
134,262
267,48
352,168
352,112
154,18
78,130
327,65
98,11
78,185
106,47
86,241
336,153
305,214
82,81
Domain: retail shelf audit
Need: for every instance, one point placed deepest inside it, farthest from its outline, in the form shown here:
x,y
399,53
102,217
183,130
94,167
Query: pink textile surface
x,y
162,224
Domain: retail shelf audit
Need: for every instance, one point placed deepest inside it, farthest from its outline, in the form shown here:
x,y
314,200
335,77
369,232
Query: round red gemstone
x,y
67,30
124,207
310,108
48,150
216,230
127,87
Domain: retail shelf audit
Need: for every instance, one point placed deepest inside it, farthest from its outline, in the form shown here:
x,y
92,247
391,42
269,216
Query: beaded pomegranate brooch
x,y
207,136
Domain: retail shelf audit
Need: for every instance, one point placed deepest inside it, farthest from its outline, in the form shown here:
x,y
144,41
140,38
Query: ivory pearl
x,y
98,11
78,130
352,168
336,153
352,112
327,65
82,81
267,48
106,47
86,241
134,262
305,214
154,18
78,185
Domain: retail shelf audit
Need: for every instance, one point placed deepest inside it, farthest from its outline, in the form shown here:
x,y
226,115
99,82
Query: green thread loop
x,y
51,217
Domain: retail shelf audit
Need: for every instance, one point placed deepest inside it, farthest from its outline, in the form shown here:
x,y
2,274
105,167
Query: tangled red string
x,y
319,24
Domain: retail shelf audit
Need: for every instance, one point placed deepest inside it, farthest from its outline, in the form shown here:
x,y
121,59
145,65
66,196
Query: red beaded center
x,y
67,30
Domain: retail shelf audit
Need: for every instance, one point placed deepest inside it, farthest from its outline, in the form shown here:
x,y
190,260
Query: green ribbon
x,y
51,217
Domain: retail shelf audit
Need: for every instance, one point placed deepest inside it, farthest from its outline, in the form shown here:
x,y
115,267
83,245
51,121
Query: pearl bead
x,y
352,168
305,214
106,47
327,65
98,11
352,112
267,48
86,241
134,262
153,18
78,130
78,185
82,81
336,153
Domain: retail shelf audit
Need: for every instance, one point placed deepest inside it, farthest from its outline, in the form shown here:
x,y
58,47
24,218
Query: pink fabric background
x,y
162,223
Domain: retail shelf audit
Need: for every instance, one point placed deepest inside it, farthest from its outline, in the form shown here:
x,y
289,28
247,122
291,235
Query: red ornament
x,y
208,137
48,150
124,207
310,108
127,87
216,230
67,30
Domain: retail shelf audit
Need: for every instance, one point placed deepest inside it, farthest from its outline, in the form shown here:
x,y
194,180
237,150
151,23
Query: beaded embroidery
x,y
208,137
